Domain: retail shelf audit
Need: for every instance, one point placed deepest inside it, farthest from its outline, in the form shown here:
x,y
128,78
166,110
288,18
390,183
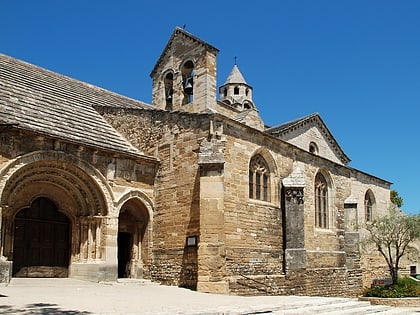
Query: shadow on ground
x,y
38,309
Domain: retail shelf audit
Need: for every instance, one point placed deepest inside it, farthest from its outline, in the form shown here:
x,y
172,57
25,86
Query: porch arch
x,y
134,235
76,188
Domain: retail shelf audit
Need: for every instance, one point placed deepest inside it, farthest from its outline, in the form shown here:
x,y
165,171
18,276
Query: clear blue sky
x,y
356,62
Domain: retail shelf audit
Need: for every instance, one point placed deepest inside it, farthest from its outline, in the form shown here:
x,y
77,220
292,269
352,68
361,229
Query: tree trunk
x,y
394,275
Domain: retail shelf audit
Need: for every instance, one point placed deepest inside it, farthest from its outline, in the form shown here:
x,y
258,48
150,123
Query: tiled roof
x,y
48,103
235,77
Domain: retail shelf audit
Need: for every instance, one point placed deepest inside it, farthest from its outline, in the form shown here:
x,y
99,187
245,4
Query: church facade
x,y
190,190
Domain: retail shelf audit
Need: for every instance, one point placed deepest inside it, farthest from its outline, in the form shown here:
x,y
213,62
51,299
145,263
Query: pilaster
x,y
294,228
211,247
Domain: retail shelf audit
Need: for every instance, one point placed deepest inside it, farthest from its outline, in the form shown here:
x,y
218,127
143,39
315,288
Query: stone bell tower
x,y
184,77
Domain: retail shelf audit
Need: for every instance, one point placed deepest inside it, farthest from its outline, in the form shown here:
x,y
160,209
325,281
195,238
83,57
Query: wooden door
x,y
41,239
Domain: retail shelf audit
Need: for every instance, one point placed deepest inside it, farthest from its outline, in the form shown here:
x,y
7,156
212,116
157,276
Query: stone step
x,y
347,307
359,310
324,307
128,281
374,311
134,281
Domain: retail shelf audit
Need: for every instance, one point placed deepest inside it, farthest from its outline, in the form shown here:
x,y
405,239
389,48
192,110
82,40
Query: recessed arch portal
x,y
77,191
133,236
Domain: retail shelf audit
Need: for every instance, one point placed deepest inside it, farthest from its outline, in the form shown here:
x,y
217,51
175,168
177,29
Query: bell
x,y
169,96
188,86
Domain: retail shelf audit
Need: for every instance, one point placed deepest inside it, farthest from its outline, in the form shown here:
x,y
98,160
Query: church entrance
x,y
132,254
41,241
125,244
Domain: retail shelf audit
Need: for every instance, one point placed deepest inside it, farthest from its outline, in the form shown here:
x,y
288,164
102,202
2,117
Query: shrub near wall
x,y
404,288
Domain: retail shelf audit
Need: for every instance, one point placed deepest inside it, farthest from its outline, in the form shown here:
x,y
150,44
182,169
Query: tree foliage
x,y
393,235
396,199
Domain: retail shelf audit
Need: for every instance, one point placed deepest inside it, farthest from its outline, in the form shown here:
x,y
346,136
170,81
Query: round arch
x,y
77,189
59,171
134,235
135,195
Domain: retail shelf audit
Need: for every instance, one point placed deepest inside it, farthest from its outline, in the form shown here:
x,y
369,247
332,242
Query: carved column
x,y
294,221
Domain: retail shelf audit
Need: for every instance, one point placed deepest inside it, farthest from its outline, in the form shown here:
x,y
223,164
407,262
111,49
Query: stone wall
x,y
249,243
312,282
88,185
174,138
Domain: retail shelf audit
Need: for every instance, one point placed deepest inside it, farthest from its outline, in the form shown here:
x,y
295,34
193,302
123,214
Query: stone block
x,y
94,272
220,287
5,271
295,258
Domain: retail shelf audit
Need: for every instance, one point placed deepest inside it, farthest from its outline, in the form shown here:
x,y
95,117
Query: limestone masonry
x,y
190,191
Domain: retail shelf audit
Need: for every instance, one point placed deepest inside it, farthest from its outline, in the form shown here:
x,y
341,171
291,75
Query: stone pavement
x,y
70,296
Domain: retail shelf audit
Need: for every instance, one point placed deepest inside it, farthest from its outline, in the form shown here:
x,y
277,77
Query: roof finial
x,y
235,59
184,26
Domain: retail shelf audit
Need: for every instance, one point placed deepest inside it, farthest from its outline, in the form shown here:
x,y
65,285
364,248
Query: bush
x,y
405,287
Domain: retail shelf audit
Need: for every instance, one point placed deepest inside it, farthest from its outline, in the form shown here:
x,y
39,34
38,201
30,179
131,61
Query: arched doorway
x,y
132,227
41,241
126,232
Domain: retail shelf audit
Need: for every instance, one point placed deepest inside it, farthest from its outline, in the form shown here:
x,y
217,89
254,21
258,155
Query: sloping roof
x,y
279,130
51,104
176,33
235,77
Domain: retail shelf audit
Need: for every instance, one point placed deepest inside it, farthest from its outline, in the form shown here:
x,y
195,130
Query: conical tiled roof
x,y
235,77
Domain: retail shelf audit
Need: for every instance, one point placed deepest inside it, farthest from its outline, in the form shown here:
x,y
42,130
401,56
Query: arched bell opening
x,y
41,241
133,251
169,89
187,71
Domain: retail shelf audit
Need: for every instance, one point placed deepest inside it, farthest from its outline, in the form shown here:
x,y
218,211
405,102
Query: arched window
x,y
321,202
368,206
259,179
236,90
313,148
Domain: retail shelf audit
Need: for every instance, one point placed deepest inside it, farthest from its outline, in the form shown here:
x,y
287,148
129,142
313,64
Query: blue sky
x,y
357,63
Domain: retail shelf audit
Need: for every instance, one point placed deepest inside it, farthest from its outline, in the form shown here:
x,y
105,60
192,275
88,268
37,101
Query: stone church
x,y
193,190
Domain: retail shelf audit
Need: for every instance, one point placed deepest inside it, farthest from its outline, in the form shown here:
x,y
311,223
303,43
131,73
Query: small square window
x,y
192,241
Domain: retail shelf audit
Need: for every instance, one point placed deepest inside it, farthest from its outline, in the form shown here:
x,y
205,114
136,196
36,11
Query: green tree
x,y
393,235
396,199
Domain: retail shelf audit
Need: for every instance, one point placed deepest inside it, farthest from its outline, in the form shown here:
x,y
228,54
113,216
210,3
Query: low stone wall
x,y
401,302
327,282
314,282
